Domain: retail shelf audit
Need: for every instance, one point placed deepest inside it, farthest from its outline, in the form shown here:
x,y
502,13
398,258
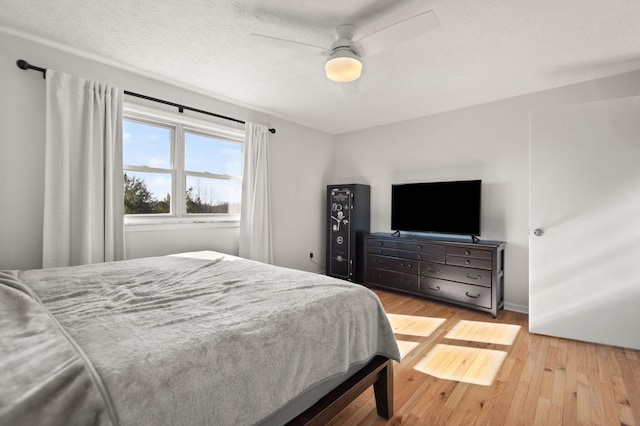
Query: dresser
x,y
469,274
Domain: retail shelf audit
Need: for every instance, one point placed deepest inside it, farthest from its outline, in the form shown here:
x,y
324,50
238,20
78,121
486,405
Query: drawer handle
x,y
419,256
436,271
474,278
434,289
379,250
380,243
467,252
471,295
405,282
467,261
419,247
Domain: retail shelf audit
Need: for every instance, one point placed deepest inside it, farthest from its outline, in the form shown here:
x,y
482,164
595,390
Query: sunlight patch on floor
x,y
413,325
406,347
486,332
462,364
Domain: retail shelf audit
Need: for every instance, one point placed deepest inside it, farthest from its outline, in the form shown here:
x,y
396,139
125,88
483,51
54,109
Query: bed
x,y
189,339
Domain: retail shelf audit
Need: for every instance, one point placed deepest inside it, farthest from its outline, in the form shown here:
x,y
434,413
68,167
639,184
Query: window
x,y
179,168
213,173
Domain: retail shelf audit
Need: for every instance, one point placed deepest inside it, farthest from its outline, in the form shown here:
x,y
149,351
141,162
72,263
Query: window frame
x,y
179,124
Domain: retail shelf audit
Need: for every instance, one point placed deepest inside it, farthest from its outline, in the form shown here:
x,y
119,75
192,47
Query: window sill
x,y
154,224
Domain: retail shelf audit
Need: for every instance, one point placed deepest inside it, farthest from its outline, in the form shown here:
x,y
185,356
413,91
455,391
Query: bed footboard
x,y
378,372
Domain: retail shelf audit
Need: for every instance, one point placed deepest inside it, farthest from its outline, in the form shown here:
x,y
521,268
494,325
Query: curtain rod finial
x,y
272,130
22,64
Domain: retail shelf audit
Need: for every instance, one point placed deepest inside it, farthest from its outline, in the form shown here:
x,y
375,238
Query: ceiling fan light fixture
x,y
343,66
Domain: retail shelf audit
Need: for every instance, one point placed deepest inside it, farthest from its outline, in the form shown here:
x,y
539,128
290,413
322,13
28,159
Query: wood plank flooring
x,y
541,381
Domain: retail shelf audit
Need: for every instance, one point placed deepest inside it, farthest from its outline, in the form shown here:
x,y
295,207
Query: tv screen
x,y
437,207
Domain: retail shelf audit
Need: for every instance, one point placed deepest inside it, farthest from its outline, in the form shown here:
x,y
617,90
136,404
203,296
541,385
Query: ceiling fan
x,y
344,63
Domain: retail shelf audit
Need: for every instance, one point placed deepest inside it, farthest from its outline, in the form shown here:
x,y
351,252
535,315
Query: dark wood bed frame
x,y
378,372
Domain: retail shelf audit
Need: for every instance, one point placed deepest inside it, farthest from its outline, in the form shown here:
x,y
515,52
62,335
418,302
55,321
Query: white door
x,y
584,268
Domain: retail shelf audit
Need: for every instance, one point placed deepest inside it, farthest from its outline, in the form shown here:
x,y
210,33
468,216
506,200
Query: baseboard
x,y
516,308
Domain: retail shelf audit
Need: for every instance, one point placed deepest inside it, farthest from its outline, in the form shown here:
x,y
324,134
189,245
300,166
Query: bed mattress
x,y
195,338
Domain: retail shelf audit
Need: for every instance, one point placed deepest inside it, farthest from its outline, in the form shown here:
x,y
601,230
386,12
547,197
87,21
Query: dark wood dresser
x,y
465,273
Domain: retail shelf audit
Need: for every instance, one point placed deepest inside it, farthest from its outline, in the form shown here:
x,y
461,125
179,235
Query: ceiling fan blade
x,y
289,44
397,33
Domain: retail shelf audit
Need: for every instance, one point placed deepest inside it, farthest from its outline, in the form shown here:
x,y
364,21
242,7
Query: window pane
x,y
213,195
146,145
207,154
147,193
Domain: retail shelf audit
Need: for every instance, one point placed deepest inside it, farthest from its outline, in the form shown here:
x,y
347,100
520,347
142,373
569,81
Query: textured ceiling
x,y
481,51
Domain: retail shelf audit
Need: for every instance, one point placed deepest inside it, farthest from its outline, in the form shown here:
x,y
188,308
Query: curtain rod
x,y
24,65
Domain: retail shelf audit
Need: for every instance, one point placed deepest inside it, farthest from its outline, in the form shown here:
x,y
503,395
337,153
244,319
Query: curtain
x,y
255,218
83,200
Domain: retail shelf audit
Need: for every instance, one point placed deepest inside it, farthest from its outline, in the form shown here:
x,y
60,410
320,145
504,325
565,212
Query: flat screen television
x,y
437,207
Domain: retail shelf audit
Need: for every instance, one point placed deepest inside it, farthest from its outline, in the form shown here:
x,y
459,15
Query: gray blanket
x,y
196,339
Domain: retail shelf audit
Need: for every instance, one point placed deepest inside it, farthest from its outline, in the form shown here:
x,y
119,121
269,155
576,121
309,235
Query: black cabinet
x,y
348,219
464,273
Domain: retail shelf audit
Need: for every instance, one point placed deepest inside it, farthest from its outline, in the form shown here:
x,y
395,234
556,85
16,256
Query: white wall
x,y
301,171
300,158
488,142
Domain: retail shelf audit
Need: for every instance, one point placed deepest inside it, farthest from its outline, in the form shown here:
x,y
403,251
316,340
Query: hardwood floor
x,y
541,381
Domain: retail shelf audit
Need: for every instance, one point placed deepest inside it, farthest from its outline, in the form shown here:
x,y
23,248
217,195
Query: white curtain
x,y
255,218
83,200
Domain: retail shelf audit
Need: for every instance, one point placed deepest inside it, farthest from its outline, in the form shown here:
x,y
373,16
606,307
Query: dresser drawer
x,y
393,279
381,251
396,264
418,255
375,261
374,242
456,273
471,262
423,247
457,292
469,252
